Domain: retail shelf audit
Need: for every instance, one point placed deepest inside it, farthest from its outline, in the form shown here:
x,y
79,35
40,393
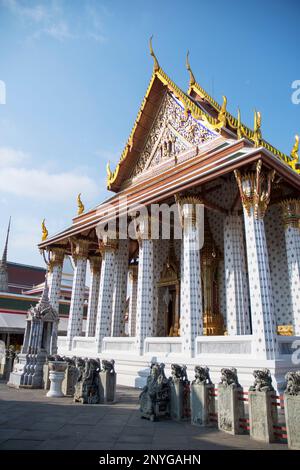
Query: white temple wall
x,y
278,265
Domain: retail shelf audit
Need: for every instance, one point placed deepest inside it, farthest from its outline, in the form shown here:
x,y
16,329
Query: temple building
x,y
21,287
234,300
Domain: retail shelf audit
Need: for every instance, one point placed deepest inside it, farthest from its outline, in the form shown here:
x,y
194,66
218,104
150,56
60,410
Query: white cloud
x,y
49,20
40,184
11,157
36,13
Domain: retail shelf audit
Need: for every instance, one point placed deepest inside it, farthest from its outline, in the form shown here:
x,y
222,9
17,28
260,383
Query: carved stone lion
x,y
179,373
108,366
202,375
292,383
229,377
262,381
155,396
87,388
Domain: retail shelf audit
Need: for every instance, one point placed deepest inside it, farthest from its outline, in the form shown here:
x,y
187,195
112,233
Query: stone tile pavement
x,y
29,420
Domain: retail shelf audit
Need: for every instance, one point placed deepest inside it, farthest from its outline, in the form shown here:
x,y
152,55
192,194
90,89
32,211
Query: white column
x,y
120,289
104,314
291,218
144,307
236,283
133,276
191,324
95,267
54,276
79,254
255,188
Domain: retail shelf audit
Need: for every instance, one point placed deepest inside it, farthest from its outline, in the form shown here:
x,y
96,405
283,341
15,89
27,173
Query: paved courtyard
x,y
30,420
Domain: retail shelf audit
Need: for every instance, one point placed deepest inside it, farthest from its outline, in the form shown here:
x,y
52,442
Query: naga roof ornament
x,y
80,206
44,231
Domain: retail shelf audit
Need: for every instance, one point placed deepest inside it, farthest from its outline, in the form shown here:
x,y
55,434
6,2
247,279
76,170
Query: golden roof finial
x,y
295,149
156,64
222,113
187,63
80,206
239,130
257,130
44,231
295,155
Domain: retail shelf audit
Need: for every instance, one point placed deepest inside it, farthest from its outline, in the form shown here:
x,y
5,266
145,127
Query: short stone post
x,y
46,379
262,414
68,384
56,374
292,409
9,363
230,408
178,382
202,401
108,381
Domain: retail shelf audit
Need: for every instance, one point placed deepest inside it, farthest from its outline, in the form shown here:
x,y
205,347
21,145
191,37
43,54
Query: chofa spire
x,y
156,64
188,67
3,264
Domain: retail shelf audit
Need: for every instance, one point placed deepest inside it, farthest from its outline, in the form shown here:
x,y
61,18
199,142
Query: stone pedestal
x,y
230,409
56,375
108,384
202,403
69,381
262,416
292,416
28,371
177,397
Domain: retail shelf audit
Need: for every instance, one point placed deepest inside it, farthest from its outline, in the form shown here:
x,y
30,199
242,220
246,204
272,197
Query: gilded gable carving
x,y
173,132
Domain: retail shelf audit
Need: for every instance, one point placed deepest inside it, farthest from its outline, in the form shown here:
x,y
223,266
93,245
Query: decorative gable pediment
x,y
173,132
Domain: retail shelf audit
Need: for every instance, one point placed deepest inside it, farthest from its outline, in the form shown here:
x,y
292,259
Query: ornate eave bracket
x,y
255,189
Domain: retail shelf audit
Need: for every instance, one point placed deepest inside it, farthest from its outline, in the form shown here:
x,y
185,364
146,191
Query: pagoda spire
x,y
3,264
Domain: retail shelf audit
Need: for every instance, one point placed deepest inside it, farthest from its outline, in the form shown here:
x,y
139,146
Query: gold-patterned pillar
x,y
291,218
80,249
255,190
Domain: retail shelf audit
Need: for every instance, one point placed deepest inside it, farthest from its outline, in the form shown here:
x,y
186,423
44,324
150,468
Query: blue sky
x,y
76,72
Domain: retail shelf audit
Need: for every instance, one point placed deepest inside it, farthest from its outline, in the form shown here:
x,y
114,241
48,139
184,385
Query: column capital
x,y
255,189
187,204
95,263
107,244
290,209
142,224
56,257
79,248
